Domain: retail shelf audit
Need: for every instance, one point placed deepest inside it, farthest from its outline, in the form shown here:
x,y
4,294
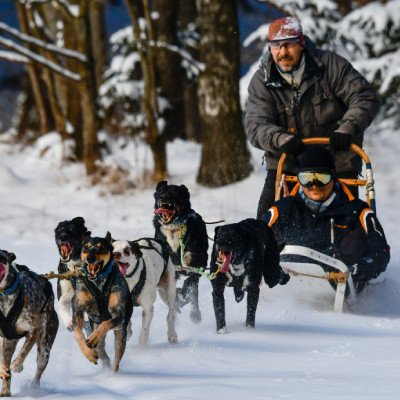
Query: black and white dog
x,y
184,234
243,253
26,310
69,236
146,268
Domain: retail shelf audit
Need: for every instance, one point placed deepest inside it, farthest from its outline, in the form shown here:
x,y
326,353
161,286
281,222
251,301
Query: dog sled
x,y
341,274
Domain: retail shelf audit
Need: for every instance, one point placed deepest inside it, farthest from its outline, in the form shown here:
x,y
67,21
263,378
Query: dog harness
x,y
7,323
135,292
101,296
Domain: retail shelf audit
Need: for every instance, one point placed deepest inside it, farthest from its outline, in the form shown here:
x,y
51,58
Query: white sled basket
x,y
341,275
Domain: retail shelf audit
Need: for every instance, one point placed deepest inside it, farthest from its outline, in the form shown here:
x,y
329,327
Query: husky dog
x,y
183,232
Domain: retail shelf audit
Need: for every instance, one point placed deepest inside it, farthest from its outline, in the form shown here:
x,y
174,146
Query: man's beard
x,y
292,69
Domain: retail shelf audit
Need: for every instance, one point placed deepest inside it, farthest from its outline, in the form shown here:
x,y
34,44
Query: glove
x,y
293,147
365,270
340,141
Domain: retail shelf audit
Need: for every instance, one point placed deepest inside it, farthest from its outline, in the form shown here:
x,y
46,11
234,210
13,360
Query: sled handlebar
x,y
368,182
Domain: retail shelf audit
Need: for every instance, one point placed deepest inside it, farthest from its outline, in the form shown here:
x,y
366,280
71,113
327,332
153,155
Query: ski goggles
x,y
311,178
276,44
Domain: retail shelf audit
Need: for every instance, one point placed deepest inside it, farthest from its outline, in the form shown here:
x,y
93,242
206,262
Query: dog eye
x,y
126,251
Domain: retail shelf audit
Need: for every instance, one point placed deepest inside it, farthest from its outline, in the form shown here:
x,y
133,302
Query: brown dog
x,y
104,296
26,310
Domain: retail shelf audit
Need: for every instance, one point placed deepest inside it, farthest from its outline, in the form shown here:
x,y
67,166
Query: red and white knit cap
x,y
284,29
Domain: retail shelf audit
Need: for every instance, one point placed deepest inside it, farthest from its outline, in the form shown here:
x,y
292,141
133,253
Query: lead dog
x,y
147,268
243,253
69,236
26,310
103,295
183,232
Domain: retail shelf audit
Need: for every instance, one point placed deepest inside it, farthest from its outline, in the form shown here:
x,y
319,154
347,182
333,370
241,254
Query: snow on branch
x,y
39,59
14,57
183,53
47,46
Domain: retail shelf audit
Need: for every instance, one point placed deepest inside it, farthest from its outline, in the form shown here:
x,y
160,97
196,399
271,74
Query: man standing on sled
x,y
301,91
321,213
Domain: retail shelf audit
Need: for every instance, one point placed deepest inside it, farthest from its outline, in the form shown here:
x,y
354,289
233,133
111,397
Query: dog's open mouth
x,y
224,259
166,211
2,271
94,268
123,267
65,251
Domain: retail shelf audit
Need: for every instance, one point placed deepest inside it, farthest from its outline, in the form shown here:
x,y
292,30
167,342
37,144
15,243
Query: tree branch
x,y
39,59
49,47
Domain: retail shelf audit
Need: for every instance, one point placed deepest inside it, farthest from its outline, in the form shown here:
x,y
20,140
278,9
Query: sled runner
x,y
341,275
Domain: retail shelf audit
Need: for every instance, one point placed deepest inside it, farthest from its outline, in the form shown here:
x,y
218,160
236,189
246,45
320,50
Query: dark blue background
x,y
252,13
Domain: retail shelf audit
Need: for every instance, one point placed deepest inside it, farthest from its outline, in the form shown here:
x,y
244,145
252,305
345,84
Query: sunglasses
x,y
309,178
277,44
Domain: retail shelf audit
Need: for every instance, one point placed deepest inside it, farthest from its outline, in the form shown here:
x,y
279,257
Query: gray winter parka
x,y
332,96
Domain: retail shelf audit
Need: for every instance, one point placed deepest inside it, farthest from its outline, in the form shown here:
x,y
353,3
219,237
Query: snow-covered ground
x,y
299,350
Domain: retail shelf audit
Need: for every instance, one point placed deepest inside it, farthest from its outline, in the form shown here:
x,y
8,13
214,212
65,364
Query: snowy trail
x,y
299,350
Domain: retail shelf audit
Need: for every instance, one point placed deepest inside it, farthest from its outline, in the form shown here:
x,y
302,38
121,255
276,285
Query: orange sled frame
x,y
342,273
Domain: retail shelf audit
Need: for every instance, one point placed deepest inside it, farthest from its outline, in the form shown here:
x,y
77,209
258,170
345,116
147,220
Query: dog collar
x,y
109,266
11,288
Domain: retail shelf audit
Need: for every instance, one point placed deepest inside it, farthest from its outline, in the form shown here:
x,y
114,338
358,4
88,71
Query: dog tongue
x,y
123,267
65,248
226,257
163,211
2,271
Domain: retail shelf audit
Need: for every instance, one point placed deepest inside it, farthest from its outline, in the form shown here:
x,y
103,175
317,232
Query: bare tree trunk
x,y
72,95
170,72
150,105
225,158
34,76
54,88
91,150
99,39
187,18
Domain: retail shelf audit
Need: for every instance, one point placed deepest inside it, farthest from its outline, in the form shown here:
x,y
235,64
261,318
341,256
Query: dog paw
x,y
250,325
16,367
93,340
91,355
195,316
222,331
5,393
68,323
5,374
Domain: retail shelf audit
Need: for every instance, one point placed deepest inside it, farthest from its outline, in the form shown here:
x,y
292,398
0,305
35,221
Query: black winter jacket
x,y
332,96
358,235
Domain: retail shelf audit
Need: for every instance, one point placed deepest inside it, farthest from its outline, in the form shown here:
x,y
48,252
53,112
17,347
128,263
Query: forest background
x,y
148,71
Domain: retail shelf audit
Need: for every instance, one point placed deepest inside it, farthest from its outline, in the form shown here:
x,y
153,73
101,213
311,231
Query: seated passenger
x,y
322,214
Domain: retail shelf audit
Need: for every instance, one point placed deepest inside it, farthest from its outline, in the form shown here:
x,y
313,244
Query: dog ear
x,y
109,237
185,192
161,185
78,221
10,256
135,248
